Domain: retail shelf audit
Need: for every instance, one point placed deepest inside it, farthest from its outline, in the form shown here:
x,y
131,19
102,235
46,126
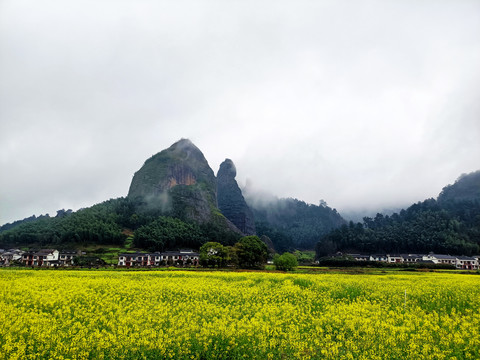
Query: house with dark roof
x,y
441,259
133,259
44,257
65,257
359,257
411,258
466,263
379,257
9,256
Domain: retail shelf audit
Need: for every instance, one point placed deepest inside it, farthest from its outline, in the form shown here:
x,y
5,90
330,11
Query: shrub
x,y
285,262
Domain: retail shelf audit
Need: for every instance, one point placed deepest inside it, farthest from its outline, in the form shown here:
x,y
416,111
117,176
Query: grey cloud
x,y
365,104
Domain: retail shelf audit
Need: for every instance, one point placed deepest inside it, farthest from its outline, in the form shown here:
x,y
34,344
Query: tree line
x,y
105,223
441,226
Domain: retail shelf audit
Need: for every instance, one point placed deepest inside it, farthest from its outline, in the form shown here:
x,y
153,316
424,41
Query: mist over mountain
x,y
291,223
358,214
466,188
449,224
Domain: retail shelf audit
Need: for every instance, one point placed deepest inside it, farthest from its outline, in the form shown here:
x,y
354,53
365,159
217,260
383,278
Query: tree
x,y
213,254
88,261
168,233
285,262
251,252
305,257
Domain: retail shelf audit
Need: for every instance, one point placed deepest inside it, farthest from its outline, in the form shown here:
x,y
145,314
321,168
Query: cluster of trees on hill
x,y
97,224
450,225
293,224
105,223
289,223
248,253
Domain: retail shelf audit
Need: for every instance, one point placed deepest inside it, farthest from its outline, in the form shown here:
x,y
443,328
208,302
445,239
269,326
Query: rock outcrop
x,y
231,201
177,181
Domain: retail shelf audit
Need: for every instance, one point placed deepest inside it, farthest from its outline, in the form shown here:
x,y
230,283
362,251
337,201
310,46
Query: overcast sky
x,y
366,104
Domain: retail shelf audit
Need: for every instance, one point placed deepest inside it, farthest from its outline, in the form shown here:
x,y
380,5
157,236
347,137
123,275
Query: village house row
x,y
44,257
459,262
56,258
182,257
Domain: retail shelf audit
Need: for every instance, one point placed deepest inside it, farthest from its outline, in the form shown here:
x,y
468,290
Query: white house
x,y
395,258
46,257
411,258
466,262
441,259
65,257
9,256
379,257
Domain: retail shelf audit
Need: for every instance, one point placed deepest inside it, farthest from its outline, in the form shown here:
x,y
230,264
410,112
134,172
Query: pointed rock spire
x,y
231,201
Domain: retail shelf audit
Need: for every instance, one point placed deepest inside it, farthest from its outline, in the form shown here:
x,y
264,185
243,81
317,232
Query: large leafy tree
x,y
251,252
213,254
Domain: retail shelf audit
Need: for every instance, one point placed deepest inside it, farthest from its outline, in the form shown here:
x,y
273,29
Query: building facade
x,y
179,258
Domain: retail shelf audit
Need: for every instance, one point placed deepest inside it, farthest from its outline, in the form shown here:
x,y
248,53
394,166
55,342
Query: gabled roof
x,y
426,262
443,257
411,256
45,251
468,258
65,252
133,254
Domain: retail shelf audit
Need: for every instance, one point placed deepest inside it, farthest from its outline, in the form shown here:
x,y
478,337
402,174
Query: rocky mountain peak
x,y
231,201
177,181
227,169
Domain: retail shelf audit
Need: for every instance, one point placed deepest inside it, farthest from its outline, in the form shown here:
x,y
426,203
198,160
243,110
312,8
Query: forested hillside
x,y
293,224
450,224
110,223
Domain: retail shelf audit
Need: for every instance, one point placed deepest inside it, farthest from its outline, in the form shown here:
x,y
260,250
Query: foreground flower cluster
x,y
213,315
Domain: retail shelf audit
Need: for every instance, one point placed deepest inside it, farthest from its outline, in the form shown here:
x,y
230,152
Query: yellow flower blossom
x,y
214,315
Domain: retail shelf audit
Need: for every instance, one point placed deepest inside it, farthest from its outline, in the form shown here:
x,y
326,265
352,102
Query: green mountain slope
x,y
293,224
449,224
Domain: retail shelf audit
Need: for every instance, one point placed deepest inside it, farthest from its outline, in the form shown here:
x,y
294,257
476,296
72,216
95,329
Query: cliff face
x,y
231,201
177,181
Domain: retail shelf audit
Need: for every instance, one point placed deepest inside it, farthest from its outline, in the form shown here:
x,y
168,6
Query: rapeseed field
x,y
55,314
